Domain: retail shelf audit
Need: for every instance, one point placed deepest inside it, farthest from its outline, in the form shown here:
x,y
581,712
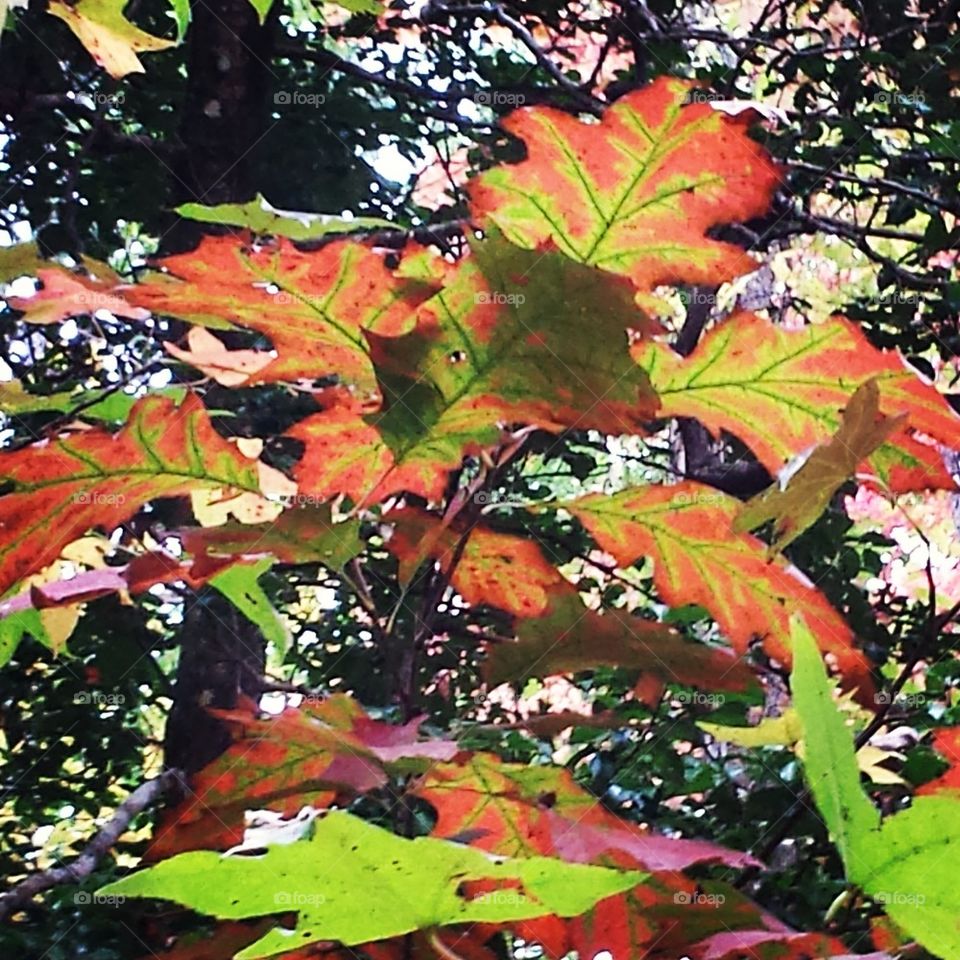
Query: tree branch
x,y
141,798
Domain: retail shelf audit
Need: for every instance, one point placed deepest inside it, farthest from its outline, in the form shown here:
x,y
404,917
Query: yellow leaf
x,y
111,39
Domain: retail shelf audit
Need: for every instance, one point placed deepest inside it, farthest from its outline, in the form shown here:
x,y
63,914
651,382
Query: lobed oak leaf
x,y
306,755
314,306
687,530
782,391
568,637
500,569
63,487
516,336
636,193
304,534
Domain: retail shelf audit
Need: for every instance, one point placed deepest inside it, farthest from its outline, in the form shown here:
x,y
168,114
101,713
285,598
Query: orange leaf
x,y
64,487
636,193
315,307
499,569
782,391
687,530
515,337
569,638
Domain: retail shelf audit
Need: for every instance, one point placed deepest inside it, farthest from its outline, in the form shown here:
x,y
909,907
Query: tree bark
x,y
224,118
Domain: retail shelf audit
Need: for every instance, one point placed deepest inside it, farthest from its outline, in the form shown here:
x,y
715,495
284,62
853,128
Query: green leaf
x,y
15,627
913,872
782,731
354,882
181,17
261,217
830,762
239,585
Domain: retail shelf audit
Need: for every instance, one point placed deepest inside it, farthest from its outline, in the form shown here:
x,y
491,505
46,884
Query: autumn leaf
x,y
110,38
636,193
767,945
304,534
63,487
569,638
946,741
516,336
782,391
499,569
658,918
315,307
502,806
686,530
71,293
798,504
303,756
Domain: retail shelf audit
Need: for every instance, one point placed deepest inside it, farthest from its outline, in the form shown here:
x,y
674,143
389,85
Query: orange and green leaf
x,y
783,391
687,530
499,569
315,307
636,193
516,336
569,638
65,486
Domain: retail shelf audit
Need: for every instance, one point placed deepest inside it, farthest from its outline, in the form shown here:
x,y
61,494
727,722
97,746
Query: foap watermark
x,y
498,98
901,898
85,899
698,699
701,96
896,98
488,497
108,99
296,899
896,298
297,98
97,699
906,700
506,898
686,499
96,499
699,899
499,298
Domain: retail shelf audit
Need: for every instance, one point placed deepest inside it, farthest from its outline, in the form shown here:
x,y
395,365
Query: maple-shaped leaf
x,y
569,637
110,38
304,534
303,756
519,810
499,569
502,806
687,530
315,307
63,487
516,336
636,193
370,883
809,490
783,391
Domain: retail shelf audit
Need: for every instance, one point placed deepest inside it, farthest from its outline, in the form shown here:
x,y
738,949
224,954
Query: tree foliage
x,y
421,556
